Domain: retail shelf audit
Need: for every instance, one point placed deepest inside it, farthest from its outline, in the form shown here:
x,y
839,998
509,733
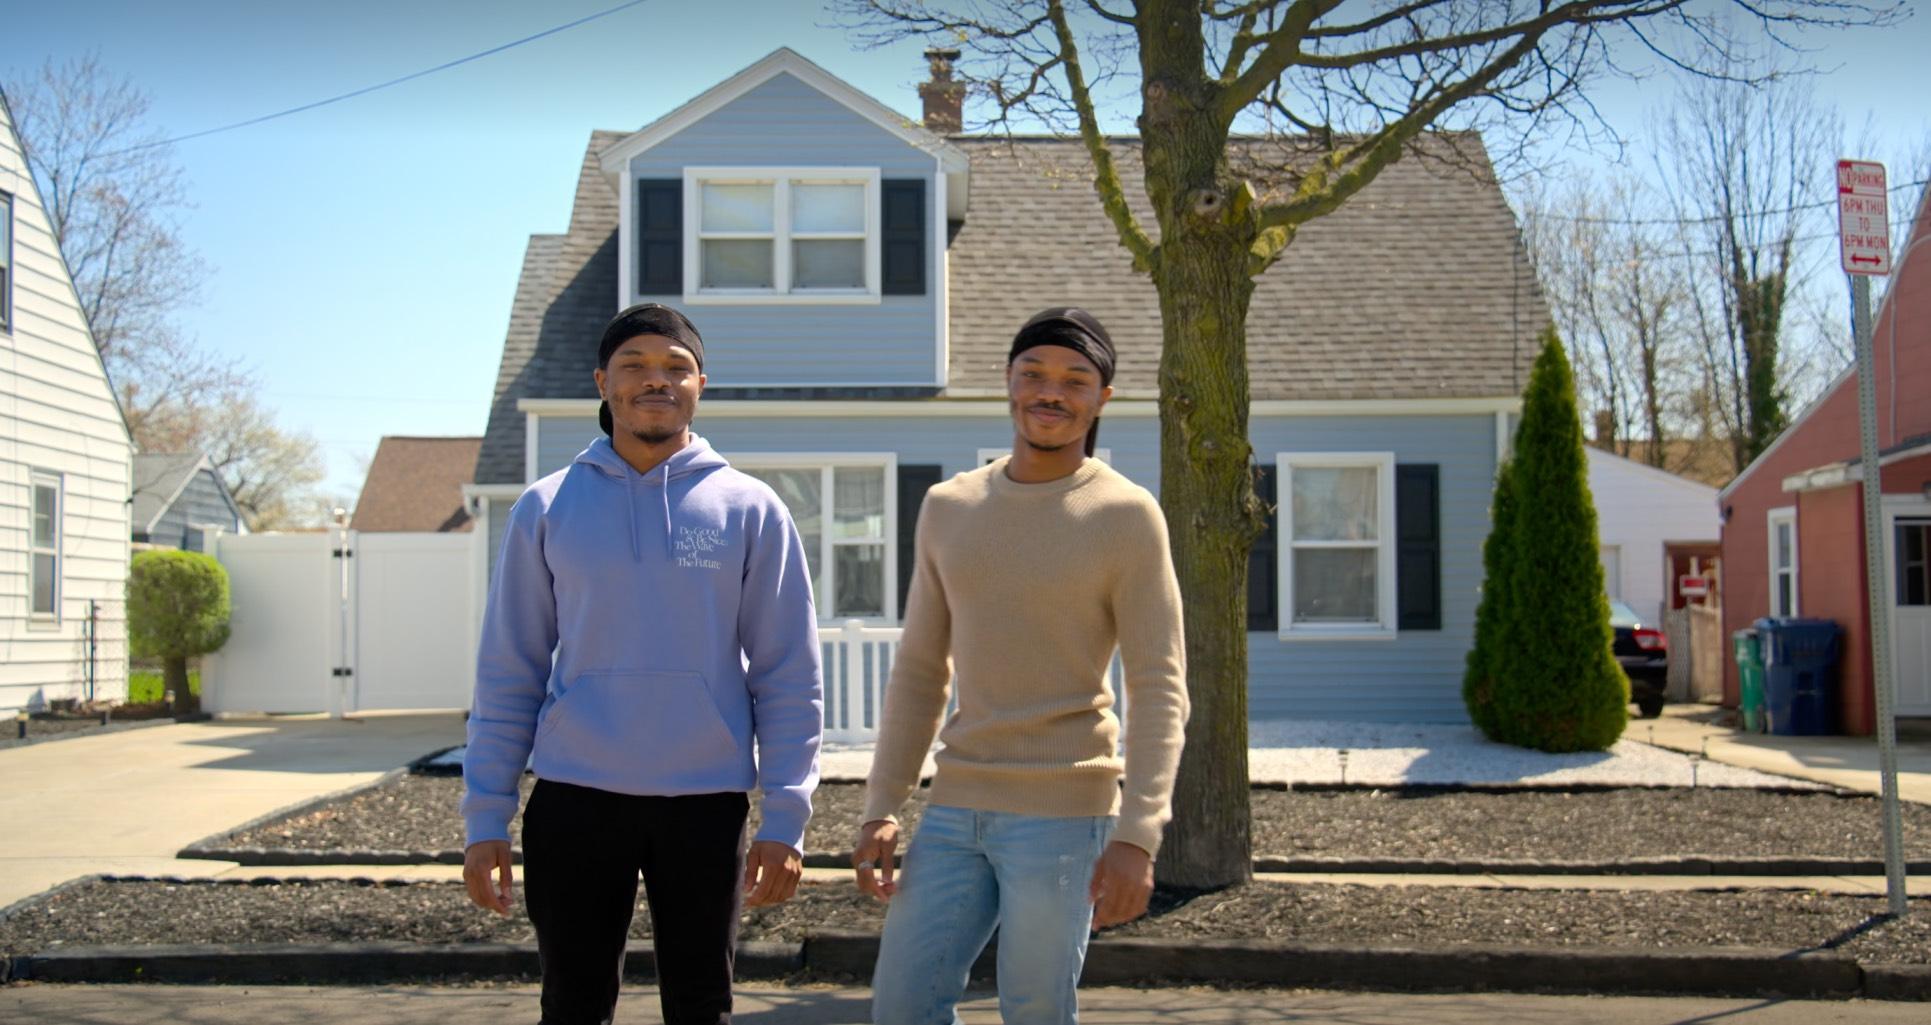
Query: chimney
x,y
1606,429
944,98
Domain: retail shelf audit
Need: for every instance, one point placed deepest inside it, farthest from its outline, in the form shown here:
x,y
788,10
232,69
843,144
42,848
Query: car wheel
x,y
1650,707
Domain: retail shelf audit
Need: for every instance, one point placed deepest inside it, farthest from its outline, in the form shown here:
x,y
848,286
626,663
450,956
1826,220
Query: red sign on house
x,y
1863,217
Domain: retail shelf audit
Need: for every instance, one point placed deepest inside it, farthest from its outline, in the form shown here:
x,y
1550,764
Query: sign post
x,y
1864,245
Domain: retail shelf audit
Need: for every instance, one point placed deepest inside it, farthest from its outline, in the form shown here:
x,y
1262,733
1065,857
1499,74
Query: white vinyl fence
x,y
342,622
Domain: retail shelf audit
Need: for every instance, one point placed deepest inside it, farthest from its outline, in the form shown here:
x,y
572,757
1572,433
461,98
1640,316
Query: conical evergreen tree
x,y
1556,683
1478,686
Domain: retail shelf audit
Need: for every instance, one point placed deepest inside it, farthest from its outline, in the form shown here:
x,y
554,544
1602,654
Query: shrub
x,y
177,609
1554,681
1478,685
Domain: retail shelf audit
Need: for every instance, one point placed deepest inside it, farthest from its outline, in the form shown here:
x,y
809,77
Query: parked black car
x,y
1645,656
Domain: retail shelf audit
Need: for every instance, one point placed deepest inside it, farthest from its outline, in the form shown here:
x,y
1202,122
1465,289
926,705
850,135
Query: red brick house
x,y
1793,520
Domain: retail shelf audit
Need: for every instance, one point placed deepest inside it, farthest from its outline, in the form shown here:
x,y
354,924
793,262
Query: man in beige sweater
x,y
1029,572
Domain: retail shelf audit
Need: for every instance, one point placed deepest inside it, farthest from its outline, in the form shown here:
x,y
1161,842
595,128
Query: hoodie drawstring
x,y
636,546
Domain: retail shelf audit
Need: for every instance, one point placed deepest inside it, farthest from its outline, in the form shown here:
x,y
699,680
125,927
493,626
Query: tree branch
x,y
1345,172
1106,177
1280,48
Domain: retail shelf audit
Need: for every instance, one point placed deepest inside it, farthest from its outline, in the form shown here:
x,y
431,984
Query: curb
x,y
346,963
1127,961
1683,866
209,848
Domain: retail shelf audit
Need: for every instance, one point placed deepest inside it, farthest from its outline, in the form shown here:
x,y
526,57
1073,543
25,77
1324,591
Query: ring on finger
x,y
866,864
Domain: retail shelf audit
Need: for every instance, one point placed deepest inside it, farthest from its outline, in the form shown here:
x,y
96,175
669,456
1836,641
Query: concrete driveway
x,y
126,802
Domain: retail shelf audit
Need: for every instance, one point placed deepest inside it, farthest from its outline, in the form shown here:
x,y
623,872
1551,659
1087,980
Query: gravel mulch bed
x,y
160,912
420,813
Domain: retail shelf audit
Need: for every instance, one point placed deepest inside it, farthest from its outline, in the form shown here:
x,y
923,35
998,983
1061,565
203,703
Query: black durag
x,y
645,319
1072,328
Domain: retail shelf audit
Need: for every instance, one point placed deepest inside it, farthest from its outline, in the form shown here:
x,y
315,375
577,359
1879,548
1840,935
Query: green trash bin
x,y
1750,677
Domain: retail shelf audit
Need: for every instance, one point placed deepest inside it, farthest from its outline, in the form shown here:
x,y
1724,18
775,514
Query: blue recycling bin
x,y
1800,675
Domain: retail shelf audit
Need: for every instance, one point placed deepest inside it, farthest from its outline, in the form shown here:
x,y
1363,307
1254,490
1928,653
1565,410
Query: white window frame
x,y
38,479
987,455
825,579
781,179
1383,627
1772,520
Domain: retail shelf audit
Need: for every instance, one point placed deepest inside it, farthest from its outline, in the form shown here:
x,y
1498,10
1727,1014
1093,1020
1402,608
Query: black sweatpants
x,y
583,850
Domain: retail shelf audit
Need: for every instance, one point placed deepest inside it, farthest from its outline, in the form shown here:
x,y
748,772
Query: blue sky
x,y
364,254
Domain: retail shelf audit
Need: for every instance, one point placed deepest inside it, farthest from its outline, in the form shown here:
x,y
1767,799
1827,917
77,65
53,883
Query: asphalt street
x,y
818,1005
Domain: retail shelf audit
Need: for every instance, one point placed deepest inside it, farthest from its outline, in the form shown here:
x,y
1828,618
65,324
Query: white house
x,y
65,459
1640,512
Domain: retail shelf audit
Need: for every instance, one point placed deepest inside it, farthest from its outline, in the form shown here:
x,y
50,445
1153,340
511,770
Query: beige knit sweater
x,y
1027,588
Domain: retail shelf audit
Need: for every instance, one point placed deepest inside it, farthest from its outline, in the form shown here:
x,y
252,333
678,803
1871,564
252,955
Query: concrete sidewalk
x,y
126,802
1848,762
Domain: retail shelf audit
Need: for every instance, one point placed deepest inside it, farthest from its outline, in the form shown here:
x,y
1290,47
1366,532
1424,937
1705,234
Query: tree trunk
x,y
1206,488
174,679
1204,277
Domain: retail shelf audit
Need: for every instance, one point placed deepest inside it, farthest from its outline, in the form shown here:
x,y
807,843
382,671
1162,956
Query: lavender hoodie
x,y
642,631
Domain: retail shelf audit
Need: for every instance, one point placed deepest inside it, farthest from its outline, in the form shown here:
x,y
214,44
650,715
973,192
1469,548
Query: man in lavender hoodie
x,y
651,618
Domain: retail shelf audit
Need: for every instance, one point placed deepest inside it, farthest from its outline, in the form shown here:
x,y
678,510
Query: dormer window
x,y
781,235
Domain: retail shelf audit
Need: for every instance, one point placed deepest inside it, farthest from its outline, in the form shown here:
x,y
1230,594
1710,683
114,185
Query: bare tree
x,y
1615,285
1744,164
1357,88
113,195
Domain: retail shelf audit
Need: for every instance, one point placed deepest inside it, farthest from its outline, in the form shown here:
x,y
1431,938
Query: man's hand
x,y
771,873
1122,882
480,861
877,843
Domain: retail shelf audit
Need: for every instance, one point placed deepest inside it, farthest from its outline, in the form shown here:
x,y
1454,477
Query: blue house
x,y
858,277
180,501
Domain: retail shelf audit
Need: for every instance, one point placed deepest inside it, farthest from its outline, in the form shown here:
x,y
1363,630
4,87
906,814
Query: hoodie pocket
x,y
638,732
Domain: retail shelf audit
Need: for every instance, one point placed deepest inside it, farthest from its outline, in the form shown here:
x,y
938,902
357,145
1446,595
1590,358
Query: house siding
x,y
785,122
1414,677
1638,510
57,415
1831,585
1417,676
202,502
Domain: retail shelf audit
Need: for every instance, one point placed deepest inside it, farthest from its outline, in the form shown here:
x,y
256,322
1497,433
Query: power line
x,y
1664,221
383,85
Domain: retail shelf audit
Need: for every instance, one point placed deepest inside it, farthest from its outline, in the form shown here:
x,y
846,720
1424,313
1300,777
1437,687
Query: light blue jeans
x,y
968,871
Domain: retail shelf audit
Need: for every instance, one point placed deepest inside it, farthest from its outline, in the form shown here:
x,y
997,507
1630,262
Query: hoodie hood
x,y
651,489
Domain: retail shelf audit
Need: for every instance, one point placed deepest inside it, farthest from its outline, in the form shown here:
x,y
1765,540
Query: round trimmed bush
x,y
177,609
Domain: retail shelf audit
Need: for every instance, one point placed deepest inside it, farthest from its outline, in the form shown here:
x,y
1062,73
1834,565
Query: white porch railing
x,y
857,663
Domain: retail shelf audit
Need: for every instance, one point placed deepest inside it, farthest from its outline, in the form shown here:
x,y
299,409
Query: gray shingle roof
x,y
1418,288
565,294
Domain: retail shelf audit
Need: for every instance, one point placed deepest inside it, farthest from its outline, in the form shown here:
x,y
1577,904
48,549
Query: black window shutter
x,y
1263,563
1418,546
660,236
913,482
902,236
